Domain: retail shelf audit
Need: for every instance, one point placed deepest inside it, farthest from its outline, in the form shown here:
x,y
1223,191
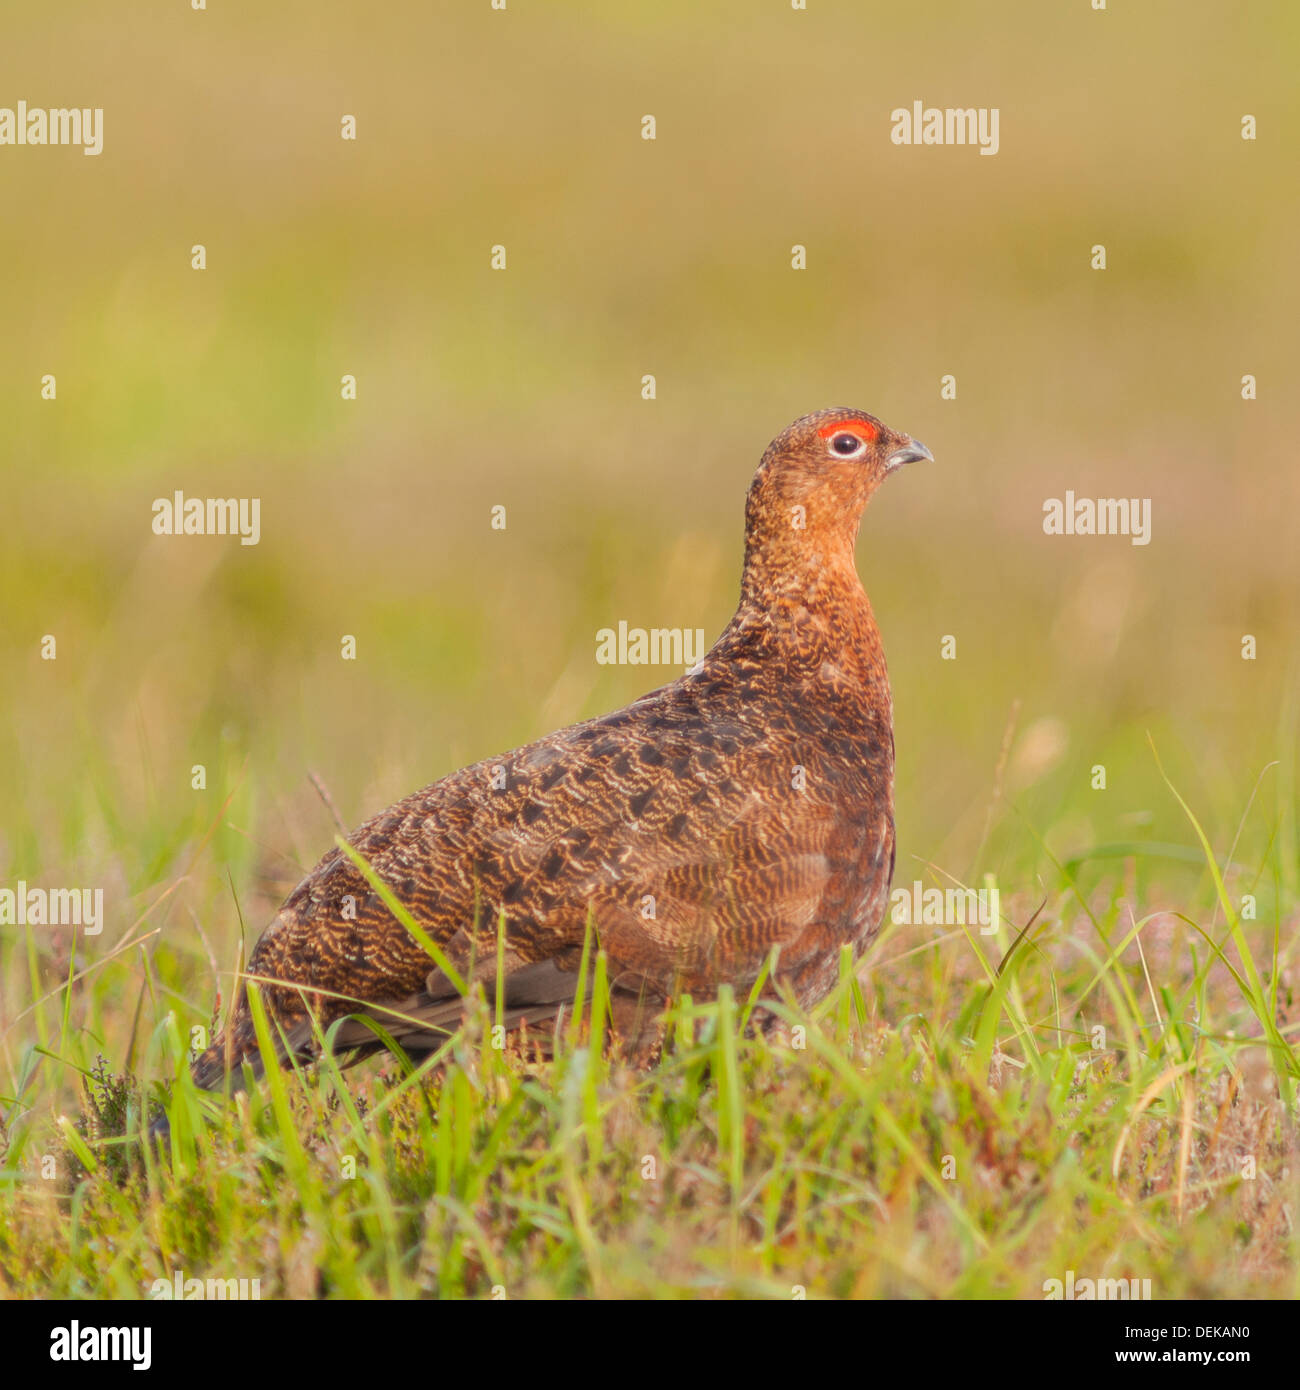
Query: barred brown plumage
x,y
745,805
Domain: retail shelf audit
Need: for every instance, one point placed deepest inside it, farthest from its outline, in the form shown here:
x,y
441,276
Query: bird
x,y
746,805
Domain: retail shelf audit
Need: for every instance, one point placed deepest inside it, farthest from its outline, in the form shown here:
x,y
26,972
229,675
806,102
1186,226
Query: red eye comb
x,y
853,425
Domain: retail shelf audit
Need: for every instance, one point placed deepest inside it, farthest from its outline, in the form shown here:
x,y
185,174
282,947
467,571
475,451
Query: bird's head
x,y
813,484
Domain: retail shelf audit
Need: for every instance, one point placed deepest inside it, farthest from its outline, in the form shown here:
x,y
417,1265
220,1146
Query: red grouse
x,y
745,805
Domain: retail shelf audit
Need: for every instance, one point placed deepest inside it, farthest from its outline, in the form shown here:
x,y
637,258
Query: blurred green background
x,y
523,388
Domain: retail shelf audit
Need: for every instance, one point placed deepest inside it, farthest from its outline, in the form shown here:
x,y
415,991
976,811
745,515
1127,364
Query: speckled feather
x,y
745,805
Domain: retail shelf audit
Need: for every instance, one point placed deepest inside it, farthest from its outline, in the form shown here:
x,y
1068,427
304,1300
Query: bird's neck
x,y
808,607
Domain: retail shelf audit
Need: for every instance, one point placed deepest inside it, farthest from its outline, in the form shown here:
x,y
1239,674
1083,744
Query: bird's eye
x,y
847,444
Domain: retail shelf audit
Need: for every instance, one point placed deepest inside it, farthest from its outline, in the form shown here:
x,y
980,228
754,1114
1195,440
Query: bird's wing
x,y
673,826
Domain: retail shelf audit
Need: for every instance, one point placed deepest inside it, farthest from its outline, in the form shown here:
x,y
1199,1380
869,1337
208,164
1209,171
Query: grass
x,y
1088,1090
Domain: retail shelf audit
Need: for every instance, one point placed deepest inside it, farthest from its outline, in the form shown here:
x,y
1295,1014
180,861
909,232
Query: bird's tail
x,y
227,1056
537,998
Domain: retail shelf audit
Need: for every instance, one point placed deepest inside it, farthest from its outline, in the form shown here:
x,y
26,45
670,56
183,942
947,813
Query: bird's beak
x,y
913,451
